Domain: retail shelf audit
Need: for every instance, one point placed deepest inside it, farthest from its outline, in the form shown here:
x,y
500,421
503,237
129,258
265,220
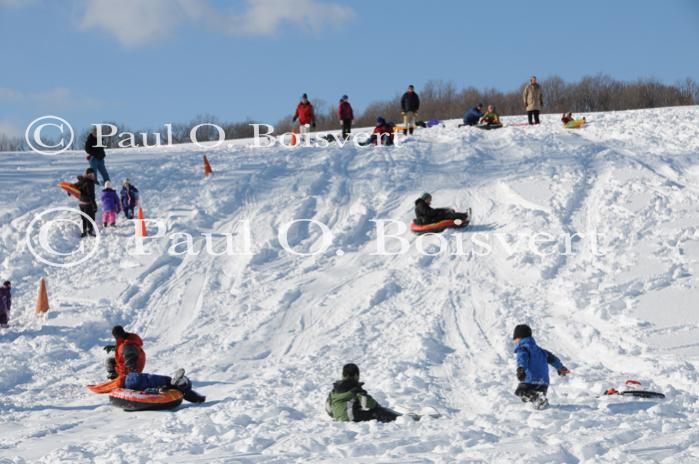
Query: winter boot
x,y
178,378
411,130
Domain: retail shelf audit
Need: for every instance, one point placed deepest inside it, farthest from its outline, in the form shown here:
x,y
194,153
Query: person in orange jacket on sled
x,y
128,354
425,214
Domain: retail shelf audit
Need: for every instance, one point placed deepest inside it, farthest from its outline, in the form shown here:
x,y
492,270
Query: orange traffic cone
x,y
207,167
141,230
293,137
42,302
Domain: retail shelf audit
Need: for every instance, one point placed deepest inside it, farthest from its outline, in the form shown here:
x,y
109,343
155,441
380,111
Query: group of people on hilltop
x,y
383,130
532,96
111,203
129,360
348,401
533,100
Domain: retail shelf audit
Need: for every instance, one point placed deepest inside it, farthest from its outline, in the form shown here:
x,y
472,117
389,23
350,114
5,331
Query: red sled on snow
x,y
633,389
441,226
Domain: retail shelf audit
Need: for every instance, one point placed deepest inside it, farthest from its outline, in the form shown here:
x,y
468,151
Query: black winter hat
x,y
118,332
522,331
89,171
350,371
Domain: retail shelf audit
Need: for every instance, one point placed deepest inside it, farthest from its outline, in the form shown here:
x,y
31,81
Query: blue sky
x,y
149,62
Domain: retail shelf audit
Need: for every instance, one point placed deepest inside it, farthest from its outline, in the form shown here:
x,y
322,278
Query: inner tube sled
x,y
134,400
439,226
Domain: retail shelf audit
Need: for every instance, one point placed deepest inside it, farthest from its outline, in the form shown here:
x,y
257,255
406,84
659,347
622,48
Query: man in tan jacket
x,y
533,97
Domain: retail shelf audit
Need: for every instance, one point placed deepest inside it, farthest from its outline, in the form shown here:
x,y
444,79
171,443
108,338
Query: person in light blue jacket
x,y
533,366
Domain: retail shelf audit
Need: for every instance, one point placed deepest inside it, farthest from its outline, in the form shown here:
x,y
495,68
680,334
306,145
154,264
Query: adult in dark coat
x,y
96,155
409,105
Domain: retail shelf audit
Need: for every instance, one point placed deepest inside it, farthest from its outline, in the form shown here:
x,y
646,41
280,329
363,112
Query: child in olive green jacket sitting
x,y
349,402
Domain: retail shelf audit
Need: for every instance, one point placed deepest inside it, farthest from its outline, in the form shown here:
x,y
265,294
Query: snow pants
x,y
378,413
530,391
90,211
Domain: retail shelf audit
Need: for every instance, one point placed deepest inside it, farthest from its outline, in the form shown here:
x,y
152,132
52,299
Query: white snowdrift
x,y
264,336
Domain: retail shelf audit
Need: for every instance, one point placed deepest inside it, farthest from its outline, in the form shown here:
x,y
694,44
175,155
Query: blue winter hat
x,y
344,97
380,120
304,96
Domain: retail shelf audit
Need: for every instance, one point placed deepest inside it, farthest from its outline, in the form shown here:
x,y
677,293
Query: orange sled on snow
x,y
106,387
133,400
439,226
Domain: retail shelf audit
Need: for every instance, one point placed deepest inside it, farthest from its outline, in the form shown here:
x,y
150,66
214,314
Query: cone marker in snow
x,y
207,167
42,302
141,230
293,137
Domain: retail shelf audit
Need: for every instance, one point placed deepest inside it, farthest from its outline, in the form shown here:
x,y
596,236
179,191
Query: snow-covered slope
x,y
264,335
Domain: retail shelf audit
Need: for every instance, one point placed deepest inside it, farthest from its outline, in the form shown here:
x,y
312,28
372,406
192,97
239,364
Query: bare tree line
x,y
439,100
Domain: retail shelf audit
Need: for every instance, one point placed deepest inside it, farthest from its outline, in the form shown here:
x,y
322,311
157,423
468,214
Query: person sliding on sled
x,y
566,118
473,115
532,367
491,118
128,354
425,214
349,402
383,134
141,382
88,204
129,198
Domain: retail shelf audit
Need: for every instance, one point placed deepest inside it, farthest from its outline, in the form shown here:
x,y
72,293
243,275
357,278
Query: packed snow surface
x,y
610,287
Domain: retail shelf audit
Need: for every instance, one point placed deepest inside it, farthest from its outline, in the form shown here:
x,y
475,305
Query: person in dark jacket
x,y
346,115
382,135
425,214
110,205
5,303
305,115
349,402
88,204
532,367
128,354
472,116
409,104
142,381
96,155
129,198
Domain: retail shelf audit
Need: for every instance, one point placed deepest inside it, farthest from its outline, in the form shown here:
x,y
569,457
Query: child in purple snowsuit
x,y
5,303
129,198
110,205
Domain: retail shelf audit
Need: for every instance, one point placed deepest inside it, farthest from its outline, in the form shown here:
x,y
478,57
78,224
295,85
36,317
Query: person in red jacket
x,y
128,354
346,115
304,113
382,135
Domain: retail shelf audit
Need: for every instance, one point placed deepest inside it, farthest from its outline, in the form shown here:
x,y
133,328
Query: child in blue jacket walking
x,y
532,367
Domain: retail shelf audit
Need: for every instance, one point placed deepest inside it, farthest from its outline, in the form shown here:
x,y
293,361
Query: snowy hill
x,y
264,335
